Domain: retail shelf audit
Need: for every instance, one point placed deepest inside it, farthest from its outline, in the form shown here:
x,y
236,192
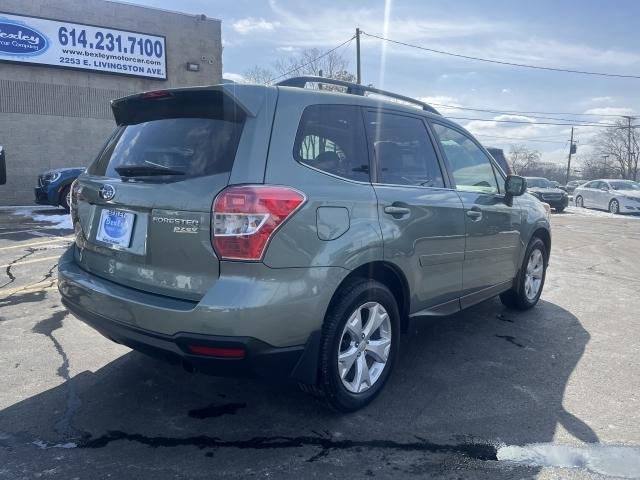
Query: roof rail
x,y
353,89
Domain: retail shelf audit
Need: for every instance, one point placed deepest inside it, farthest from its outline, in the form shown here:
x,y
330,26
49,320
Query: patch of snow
x,y
588,212
44,445
610,460
58,221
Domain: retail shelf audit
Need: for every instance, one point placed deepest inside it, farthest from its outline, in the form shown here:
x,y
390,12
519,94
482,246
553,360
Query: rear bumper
x,y
259,358
273,315
43,196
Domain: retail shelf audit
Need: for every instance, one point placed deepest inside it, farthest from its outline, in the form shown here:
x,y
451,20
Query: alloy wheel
x,y
614,206
364,347
533,275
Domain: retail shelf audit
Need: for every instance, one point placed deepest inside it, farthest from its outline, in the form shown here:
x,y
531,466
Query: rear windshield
x,y
185,147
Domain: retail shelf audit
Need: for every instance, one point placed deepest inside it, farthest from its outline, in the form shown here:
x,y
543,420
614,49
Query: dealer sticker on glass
x,y
115,228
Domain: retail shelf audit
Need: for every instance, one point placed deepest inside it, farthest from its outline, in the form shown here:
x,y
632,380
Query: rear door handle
x,y
392,210
474,214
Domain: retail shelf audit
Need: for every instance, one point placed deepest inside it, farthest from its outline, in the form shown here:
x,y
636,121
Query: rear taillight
x,y
245,218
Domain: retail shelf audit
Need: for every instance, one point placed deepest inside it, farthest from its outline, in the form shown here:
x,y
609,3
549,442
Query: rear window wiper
x,y
145,171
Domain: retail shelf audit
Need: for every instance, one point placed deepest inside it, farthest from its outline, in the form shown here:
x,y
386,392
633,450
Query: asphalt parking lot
x,y
467,391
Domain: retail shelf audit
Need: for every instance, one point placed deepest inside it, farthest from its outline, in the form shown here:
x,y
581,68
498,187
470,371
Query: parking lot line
x,y
36,287
57,239
23,231
35,260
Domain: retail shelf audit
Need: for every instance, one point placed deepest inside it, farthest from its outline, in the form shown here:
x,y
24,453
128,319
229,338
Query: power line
x,y
501,62
522,139
575,121
522,122
529,114
311,61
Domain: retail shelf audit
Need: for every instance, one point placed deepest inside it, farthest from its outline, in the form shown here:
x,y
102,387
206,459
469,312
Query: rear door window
x,y
403,150
331,138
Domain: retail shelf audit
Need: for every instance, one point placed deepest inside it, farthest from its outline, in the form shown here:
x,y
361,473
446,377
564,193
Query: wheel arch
x,y
64,184
390,276
544,235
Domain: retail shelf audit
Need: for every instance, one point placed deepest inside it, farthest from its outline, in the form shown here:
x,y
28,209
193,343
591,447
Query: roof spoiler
x,y
227,100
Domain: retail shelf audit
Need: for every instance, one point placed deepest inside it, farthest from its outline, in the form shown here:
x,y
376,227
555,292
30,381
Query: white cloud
x,y
287,49
302,24
253,25
439,100
236,77
610,111
506,90
601,99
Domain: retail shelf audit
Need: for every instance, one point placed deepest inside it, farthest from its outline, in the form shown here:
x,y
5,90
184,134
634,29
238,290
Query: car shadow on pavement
x,y
462,385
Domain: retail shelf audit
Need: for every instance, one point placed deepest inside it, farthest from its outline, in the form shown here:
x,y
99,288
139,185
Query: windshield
x,y
534,182
186,147
625,185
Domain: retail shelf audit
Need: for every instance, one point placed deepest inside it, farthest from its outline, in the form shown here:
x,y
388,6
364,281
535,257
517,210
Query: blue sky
x,y
586,35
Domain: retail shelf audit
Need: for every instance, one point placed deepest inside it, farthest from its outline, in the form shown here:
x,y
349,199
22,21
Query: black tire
x,y
614,206
560,209
64,198
351,297
516,297
579,202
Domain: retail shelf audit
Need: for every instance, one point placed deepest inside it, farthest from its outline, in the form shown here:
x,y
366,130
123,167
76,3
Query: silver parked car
x,y
616,196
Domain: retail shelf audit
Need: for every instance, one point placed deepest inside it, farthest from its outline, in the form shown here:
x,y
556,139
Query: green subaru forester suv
x,y
293,232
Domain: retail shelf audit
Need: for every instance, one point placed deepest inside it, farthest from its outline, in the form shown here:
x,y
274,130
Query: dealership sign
x,y
84,47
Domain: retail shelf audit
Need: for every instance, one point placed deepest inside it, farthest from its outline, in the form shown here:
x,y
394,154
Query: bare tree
x,y
600,166
259,75
522,159
311,62
550,171
308,62
614,142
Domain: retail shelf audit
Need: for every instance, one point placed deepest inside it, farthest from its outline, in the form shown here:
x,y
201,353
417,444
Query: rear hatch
x,y
142,212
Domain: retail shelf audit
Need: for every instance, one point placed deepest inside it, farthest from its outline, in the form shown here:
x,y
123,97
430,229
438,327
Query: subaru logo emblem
x,y
107,191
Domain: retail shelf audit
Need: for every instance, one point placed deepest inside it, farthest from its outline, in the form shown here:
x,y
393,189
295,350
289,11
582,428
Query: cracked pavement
x,y
75,405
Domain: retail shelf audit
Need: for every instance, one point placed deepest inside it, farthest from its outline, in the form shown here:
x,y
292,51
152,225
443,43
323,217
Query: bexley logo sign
x,y
49,42
17,39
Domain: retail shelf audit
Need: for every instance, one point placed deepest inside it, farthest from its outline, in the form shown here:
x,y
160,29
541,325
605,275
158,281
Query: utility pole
x,y
570,152
629,145
358,75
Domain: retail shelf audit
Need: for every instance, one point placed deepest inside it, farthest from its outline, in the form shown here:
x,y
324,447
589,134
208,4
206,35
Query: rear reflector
x,y
246,217
217,351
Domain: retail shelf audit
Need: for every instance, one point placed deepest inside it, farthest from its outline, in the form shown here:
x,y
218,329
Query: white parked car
x,y
616,196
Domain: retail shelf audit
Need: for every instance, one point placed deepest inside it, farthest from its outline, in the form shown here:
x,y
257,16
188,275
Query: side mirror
x,y
514,186
3,167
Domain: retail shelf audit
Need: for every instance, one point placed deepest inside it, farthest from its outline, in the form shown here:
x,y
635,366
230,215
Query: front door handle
x,y
474,214
399,211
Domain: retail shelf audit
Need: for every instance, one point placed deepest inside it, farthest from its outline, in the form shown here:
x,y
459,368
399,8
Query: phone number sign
x,y
84,47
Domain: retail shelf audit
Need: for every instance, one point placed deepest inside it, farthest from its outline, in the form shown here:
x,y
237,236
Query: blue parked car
x,y
54,187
